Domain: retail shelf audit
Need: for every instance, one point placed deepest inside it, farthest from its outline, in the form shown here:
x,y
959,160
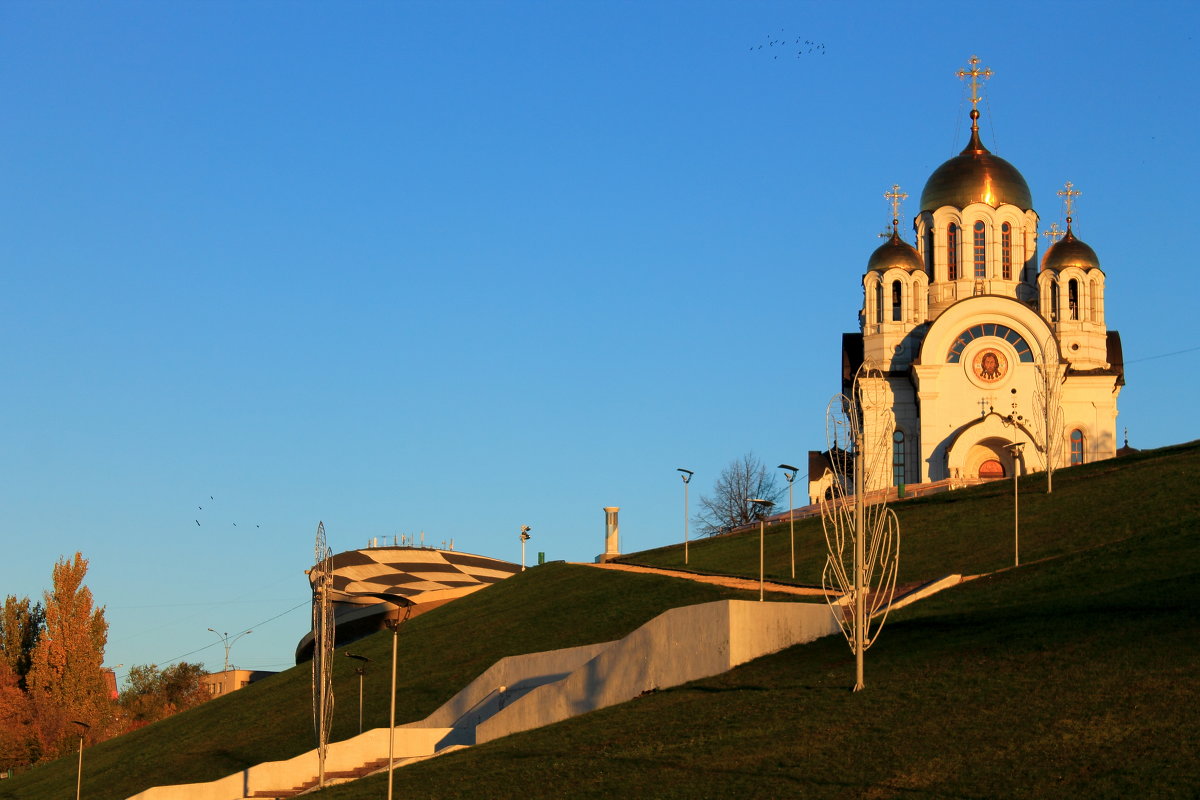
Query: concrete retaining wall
x,y
677,646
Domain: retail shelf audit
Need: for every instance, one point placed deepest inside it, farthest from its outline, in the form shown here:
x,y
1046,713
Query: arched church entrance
x,y
989,459
991,469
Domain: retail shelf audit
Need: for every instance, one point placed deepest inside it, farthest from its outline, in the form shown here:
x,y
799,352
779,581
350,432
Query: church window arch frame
x,y
1077,446
899,457
952,229
897,298
1006,251
995,330
979,254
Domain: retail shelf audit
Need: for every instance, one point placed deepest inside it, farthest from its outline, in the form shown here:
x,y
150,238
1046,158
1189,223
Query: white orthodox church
x,y
968,333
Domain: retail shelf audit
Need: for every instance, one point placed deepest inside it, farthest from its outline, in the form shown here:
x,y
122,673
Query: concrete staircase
x,y
519,693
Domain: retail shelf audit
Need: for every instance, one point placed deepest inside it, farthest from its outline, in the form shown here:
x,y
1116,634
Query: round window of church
x,y
991,469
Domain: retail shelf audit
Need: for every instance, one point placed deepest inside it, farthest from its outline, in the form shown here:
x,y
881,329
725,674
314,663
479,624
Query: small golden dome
x,y
1070,252
895,252
975,176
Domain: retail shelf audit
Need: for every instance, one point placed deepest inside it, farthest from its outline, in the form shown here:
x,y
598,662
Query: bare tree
x,y
728,506
1048,413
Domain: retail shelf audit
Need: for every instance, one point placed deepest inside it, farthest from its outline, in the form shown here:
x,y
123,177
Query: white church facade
x,y
976,345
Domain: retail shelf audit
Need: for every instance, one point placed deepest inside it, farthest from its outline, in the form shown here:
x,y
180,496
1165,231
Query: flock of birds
x,y
805,47
201,508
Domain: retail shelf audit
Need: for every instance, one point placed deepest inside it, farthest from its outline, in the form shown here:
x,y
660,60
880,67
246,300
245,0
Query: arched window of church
x,y
1076,447
879,302
1073,298
897,308
952,252
980,251
929,252
1054,301
1006,250
1095,309
898,458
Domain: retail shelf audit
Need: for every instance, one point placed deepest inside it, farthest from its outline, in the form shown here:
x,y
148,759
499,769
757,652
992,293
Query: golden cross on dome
x,y
1055,233
975,73
1069,194
895,196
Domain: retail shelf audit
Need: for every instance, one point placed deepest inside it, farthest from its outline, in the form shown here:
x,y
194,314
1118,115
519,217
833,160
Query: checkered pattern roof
x,y
414,574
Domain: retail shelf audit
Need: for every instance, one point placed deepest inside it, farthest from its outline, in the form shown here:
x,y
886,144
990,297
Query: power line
x,y
248,627
1163,355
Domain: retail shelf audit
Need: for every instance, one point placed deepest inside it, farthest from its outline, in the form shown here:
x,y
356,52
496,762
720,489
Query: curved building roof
x,y
895,252
370,584
1070,252
975,176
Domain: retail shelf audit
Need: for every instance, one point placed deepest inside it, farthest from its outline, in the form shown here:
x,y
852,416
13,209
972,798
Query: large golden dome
x,y
895,252
975,176
1070,252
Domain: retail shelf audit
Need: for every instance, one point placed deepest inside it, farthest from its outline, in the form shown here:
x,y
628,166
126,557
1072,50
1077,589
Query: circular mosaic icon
x,y
989,365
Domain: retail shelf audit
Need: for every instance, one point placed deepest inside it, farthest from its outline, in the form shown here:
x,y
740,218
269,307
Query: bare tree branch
x,y
728,506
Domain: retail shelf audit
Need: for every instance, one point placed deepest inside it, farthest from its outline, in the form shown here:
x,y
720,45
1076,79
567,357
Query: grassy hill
x,y
1070,677
552,606
971,530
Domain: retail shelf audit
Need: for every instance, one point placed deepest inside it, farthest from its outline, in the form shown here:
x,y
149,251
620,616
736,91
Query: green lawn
x,y
1070,677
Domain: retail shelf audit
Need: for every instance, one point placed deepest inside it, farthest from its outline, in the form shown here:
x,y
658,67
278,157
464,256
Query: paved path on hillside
x,y
748,584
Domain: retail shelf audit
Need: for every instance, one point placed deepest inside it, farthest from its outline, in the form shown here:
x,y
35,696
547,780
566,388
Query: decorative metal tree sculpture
x,y
1048,413
321,579
863,540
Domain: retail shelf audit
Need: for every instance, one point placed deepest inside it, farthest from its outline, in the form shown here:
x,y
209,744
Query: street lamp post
x,y
225,640
687,478
83,729
791,476
525,537
763,507
360,670
1015,450
393,625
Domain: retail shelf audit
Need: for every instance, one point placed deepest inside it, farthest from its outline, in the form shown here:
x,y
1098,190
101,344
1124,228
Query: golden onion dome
x,y
975,176
895,252
1070,252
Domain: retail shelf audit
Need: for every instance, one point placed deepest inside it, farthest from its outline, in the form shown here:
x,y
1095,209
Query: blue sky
x,y
459,267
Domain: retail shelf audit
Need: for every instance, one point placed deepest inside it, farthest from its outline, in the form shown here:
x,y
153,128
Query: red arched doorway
x,y
991,469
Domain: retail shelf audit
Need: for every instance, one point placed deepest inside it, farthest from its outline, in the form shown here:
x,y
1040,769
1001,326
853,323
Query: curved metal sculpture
x,y
863,539
321,579
1048,412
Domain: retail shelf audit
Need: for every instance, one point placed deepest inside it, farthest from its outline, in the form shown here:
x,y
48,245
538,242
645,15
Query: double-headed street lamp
x,y
687,478
525,537
764,506
360,671
225,640
791,476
